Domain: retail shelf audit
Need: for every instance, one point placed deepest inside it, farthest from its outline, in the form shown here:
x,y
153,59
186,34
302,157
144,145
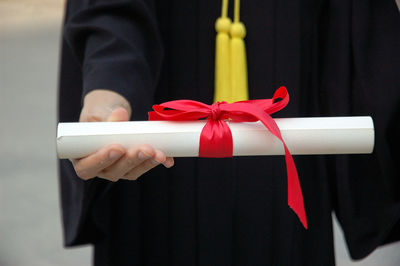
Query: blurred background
x,y
30,224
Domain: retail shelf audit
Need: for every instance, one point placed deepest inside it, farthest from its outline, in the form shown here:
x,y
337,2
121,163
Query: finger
x,y
158,158
161,158
92,165
142,168
119,114
169,162
132,158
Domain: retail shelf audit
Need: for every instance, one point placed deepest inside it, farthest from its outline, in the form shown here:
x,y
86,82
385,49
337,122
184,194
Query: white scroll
x,y
330,135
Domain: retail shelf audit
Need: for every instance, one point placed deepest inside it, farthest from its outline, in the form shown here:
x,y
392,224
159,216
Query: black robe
x,y
336,57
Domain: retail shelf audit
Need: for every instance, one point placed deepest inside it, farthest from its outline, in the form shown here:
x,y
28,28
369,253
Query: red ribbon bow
x,y
216,137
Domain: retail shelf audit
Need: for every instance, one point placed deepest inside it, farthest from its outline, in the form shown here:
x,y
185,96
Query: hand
x,y
114,162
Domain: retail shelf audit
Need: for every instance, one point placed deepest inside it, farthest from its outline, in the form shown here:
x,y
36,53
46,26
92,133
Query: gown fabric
x,y
336,57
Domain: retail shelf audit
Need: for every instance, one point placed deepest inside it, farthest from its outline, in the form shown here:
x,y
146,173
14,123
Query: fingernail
x,y
154,161
114,154
143,156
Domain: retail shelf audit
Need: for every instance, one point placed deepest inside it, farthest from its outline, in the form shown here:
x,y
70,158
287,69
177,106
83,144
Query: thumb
x,y
118,115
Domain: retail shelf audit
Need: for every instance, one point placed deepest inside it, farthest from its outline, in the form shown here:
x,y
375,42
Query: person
x,y
336,57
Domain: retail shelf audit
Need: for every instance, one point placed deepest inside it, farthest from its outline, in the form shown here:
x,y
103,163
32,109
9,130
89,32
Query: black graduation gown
x,y
336,57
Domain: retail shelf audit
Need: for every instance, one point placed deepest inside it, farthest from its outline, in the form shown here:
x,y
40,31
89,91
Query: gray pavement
x,y
30,226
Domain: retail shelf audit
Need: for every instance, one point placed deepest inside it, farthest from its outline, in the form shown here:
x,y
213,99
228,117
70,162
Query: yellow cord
x,y
236,11
222,77
224,11
238,60
230,57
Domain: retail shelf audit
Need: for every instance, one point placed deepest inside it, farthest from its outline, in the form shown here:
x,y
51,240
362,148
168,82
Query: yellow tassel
x,y
230,57
222,90
238,62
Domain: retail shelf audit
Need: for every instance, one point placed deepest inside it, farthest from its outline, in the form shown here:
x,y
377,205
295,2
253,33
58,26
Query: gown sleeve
x,y
361,76
118,44
107,44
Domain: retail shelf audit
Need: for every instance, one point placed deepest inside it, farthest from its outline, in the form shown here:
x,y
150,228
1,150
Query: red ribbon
x,y
216,136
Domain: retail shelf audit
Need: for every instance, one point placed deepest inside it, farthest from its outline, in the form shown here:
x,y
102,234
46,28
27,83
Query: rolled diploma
x,y
318,135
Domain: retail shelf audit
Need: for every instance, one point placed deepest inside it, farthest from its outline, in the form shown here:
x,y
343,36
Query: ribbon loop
x,y
216,136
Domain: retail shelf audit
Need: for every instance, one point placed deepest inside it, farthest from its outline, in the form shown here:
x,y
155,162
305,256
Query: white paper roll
x,y
330,135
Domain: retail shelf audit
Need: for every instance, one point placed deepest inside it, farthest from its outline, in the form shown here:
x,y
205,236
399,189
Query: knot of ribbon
x,y
215,110
216,136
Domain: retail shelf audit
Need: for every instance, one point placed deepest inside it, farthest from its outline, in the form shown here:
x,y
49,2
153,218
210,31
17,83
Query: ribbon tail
x,y
295,195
